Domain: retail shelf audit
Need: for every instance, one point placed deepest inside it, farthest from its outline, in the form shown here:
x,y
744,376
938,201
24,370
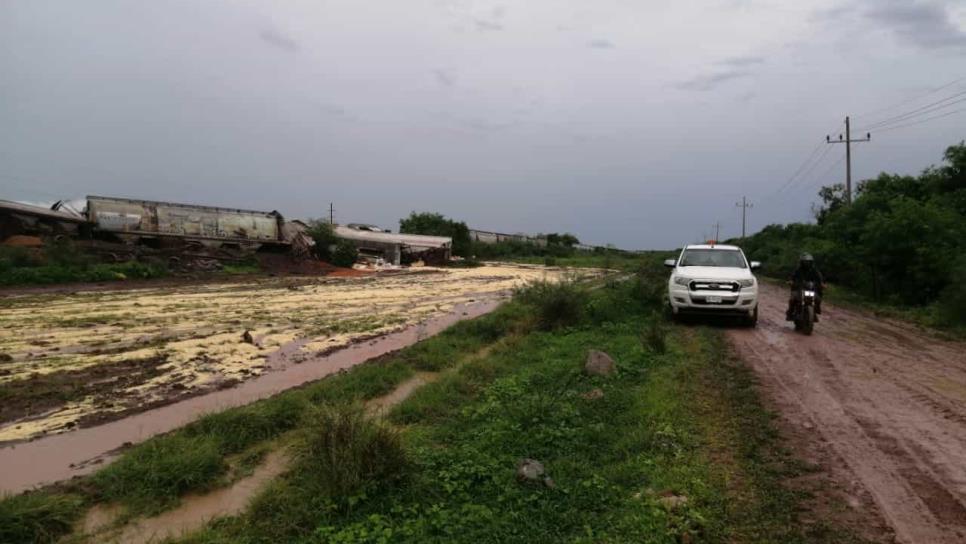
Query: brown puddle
x,y
196,510
60,457
380,405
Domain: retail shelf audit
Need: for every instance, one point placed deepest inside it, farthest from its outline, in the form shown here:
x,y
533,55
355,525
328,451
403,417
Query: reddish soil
x,y
879,407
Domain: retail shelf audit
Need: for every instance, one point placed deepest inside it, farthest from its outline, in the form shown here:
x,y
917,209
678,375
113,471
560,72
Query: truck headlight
x,y
746,283
681,280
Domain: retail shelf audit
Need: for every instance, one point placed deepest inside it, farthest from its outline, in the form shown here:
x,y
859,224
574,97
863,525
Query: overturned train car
x,y
156,224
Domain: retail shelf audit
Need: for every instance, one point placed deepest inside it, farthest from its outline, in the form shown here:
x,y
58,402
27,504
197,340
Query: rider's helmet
x,y
806,259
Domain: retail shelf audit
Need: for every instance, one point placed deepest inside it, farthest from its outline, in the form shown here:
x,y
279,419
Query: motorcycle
x,y
804,303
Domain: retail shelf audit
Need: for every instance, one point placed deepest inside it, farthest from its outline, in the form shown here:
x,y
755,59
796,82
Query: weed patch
x,y
38,517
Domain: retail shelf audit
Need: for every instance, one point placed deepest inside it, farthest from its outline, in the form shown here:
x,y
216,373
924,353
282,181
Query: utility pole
x,y
744,205
331,214
848,141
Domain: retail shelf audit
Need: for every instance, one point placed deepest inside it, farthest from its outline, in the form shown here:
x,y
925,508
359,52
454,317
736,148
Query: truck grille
x,y
724,301
724,286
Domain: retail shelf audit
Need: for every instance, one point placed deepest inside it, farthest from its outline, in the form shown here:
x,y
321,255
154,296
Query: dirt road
x,y
882,407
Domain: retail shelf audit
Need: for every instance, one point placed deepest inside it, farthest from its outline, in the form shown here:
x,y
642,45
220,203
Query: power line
x,y
800,168
814,165
922,110
926,120
912,99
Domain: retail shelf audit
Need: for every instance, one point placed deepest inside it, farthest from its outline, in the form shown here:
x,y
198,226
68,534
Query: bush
x,y
344,254
323,235
654,335
952,303
38,517
342,453
557,304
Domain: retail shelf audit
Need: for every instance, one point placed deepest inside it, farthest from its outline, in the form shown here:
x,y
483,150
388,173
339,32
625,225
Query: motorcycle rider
x,y
806,271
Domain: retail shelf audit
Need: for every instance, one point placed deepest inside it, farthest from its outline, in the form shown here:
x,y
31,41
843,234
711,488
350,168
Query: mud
x,y
196,510
380,405
60,457
40,393
50,342
879,407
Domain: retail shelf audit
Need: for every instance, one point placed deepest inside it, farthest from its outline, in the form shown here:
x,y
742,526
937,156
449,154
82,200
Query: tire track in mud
x,y
887,399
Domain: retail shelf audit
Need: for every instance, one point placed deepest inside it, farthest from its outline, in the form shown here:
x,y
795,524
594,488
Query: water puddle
x,y
196,510
60,457
380,405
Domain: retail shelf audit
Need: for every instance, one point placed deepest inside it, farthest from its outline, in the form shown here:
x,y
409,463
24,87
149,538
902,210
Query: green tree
x,y
435,224
325,239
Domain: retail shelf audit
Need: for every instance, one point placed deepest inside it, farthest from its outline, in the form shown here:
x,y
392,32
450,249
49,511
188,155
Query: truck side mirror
x,y
671,263
755,265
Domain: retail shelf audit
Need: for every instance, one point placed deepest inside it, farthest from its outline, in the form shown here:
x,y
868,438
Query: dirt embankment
x,y
880,407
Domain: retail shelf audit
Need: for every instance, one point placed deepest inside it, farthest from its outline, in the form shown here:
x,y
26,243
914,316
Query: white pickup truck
x,y
713,280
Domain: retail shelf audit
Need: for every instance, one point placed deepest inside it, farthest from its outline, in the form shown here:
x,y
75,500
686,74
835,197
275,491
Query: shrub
x,y
325,239
654,335
557,304
344,254
38,517
342,453
952,303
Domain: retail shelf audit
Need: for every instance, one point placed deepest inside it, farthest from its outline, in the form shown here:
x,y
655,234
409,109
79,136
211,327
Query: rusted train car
x,y
152,223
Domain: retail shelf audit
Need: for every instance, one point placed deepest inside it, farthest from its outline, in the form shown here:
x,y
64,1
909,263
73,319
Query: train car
x,y
146,221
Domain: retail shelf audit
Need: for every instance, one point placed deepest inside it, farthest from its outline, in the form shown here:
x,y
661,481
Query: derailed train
x,y
155,224
148,222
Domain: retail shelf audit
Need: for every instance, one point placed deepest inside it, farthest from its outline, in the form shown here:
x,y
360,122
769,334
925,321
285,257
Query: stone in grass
x,y
593,394
599,364
531,470
671,500
247,338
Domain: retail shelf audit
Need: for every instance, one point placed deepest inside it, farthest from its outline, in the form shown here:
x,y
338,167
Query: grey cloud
x,y
445,78
710,81
484,24
277,39
492,21
927,25
600,44
742,61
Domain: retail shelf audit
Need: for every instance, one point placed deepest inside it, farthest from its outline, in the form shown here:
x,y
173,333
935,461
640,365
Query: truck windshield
x,y
727,258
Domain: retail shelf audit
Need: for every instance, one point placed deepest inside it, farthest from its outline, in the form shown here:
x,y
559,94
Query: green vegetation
x,y
38,517
556,245
434,224
901,243
673,447
63,262
329,247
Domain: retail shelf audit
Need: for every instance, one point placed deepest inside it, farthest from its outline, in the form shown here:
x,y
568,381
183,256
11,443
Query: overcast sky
x,y
633,122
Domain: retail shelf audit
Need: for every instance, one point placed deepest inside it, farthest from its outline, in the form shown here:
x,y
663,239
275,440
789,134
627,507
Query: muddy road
x,y
879,406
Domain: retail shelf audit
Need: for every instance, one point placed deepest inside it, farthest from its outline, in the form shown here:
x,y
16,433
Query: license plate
x,y
713,300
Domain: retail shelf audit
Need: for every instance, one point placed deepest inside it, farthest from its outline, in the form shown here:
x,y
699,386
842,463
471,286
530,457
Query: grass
x,y
675,447
927,316
56,273
38,517
685,424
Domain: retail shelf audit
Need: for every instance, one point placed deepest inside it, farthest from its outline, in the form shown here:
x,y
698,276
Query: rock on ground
x,y
599,364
